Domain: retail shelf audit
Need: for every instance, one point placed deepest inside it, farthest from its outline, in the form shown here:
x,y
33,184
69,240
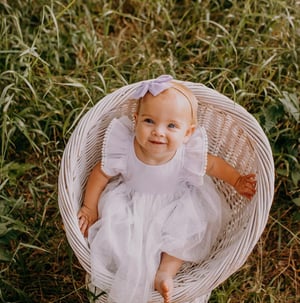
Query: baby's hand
x,y
246,186
87,218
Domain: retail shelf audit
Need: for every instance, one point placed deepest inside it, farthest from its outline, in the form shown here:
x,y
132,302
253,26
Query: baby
x,y
162,210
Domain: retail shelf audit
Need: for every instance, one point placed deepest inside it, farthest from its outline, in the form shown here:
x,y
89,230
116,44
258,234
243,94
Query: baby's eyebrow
x,y
176,121
145,115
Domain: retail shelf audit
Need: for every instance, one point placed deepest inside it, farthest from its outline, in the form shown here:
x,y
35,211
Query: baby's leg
x,y
168,268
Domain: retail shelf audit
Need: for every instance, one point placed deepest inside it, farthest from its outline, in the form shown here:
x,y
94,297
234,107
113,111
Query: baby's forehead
x,y
167,101
169,94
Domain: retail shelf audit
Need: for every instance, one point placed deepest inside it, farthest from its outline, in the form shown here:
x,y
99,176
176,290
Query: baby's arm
x,y
88,213
219,168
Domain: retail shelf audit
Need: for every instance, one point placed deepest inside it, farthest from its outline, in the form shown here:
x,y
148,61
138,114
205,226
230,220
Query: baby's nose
x,y
159,130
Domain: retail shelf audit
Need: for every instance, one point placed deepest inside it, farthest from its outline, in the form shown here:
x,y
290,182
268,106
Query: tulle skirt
x,y
135,228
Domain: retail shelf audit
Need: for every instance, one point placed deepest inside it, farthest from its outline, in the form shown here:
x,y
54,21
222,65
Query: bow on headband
x,y
154,86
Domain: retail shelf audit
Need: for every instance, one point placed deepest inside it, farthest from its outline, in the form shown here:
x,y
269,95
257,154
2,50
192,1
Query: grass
x,y
58,58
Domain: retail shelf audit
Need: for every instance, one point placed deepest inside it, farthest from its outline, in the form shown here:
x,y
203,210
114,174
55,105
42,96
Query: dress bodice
x,y
187,166
158,179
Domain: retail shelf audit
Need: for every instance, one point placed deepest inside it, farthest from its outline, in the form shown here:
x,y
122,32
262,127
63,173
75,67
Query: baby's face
x,y
163,124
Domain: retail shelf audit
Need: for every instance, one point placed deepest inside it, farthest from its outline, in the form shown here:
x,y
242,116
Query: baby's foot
x,y
164,285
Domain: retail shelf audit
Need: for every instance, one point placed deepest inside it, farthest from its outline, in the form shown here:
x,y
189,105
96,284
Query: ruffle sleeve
x,y
195,157
116,144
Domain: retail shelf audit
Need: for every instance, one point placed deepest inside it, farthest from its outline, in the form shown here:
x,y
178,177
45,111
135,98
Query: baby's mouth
x,y
156,142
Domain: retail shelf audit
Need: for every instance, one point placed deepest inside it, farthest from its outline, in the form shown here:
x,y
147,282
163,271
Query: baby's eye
x,y
148,120
171,125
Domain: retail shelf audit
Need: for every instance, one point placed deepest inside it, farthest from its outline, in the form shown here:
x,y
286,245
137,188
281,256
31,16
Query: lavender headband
x,y
154,86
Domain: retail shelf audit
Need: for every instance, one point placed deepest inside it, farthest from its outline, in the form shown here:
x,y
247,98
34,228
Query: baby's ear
x,y
189,132
134,118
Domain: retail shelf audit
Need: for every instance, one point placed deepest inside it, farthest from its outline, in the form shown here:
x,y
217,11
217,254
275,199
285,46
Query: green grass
x,y
58,58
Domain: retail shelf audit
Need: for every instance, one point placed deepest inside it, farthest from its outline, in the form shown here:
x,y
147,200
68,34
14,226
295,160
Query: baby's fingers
x,y
250,178
83,224
250,193
251,186
246,186
250,182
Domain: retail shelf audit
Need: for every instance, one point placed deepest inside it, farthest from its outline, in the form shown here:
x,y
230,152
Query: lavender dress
x,y
149,209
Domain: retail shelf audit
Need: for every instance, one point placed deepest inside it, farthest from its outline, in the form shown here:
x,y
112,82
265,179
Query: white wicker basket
x,y
233,134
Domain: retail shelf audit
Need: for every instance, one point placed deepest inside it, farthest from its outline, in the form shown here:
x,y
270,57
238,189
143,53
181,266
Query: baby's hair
x,y
191,98
186,92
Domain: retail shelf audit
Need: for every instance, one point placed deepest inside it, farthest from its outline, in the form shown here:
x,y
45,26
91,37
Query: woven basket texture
x,y
233,134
